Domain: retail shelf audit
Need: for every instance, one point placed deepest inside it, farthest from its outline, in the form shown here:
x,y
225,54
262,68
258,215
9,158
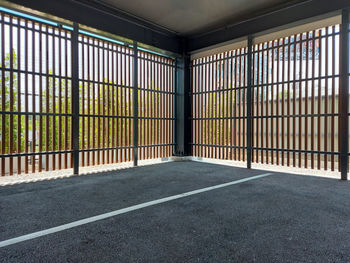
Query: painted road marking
x,y
121,211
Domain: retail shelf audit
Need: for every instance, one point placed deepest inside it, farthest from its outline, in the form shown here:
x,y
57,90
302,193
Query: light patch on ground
x,y
64,173
272,168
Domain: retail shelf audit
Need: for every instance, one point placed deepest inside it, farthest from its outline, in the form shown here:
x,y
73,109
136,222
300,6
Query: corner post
x,y
183,130
75,98
344,96
249,102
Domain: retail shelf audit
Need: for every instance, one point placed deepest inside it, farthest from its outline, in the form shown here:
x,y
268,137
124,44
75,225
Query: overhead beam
x,y
105,19
285,16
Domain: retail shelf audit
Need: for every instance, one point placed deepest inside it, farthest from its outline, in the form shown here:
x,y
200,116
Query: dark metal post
x,y
135,130
344,96
183,107
249,102
75,98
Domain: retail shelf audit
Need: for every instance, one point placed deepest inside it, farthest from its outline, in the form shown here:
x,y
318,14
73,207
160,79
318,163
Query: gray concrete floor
x,y
279,218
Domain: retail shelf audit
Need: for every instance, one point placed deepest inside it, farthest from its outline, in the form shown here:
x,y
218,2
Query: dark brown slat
x,y
170,74
123,151
109,124
143,113
156,106
253,102
244,143
319,102
160,109
94,104
197,134
288,101
272,43
150,94
59,101
294,99
201,110
151,134
162,105
19,127
113,108
53,159
227,142
204,113
231,105
88,103
306,100
129,153
130,106
239,103
103,106
99,135
147,104
313,100
33,103
66,103
40,164
194,110
11,137
167,103
159,106
47,102
3,102
118,126
211,134
109,107
300,97
235,134
216,111
210,105
144,106
326,105
125,111
71,111
261,81
218,108
266,54
257,102
221,108
333,99
82,108
278,104
282,101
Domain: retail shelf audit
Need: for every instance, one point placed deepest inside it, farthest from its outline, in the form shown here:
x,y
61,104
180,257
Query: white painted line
x,y
121,211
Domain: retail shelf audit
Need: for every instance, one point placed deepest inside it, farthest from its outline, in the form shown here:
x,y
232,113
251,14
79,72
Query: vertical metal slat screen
x,y
219,89
35,62
156,103
105,88
36,98
295,88
295,100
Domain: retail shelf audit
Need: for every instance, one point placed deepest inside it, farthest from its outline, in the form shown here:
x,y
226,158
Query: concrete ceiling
x,y
190,17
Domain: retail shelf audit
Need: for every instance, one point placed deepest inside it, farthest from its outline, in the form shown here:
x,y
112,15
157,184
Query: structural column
x,y
75,98
135,131
183,106
344,96
249,102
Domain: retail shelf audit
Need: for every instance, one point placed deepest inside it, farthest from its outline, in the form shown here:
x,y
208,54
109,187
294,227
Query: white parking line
x,y
121,211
